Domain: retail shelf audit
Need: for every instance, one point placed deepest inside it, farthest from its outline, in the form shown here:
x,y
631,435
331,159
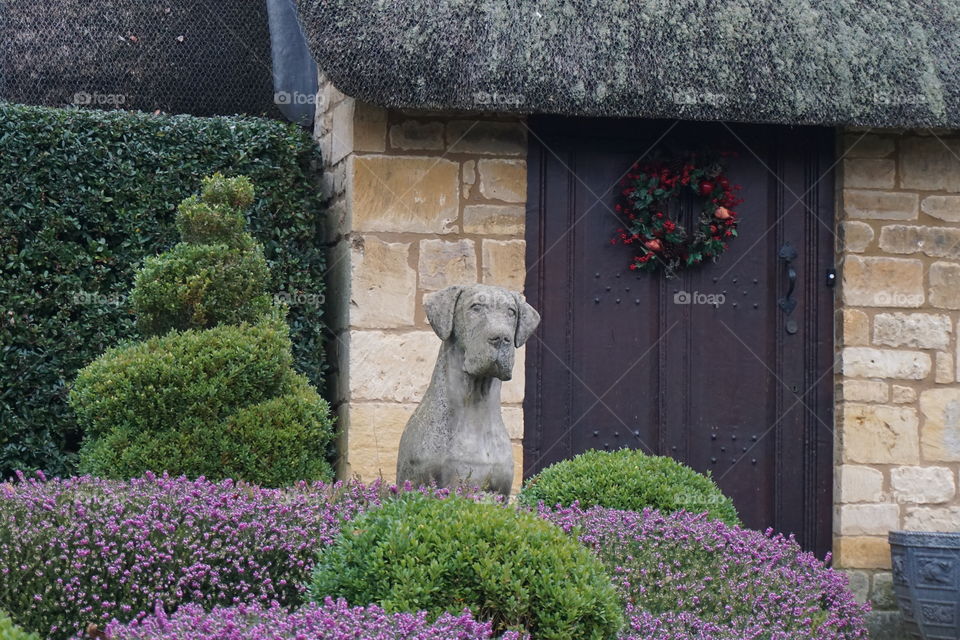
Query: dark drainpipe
x,y
294,71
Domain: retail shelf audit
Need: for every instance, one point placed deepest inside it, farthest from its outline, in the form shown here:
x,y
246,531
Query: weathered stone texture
x,y
940,435
917,330
494,219
504,263
902,395
405,194
857,145
369,128
864,362
880,434
384,286
945,285
856,483
415,135
504,180
856,236
936,242
923,485
862,552
929,164
394,367
486,138
445,263
856,327
869,173
943,372
865,391
882,282
946,208
373,438
880,205
867,519
939,519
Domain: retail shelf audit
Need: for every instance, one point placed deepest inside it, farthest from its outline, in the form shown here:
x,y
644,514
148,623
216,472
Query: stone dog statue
x,y
456,437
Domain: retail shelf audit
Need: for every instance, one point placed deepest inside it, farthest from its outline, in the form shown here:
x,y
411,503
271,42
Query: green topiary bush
x,y
85,196
222,401
630,480
10,631
418,553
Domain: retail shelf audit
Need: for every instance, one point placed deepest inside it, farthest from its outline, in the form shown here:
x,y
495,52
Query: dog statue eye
x,y
512,312
476,306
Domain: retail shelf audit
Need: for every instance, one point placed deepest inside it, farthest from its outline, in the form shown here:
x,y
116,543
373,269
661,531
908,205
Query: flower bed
x,y
686,577
85,550
333,620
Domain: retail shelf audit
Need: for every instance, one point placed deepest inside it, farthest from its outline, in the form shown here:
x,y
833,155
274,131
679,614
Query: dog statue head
x,y
487,322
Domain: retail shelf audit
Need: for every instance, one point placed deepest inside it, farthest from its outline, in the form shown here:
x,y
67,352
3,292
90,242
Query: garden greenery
x,y
85,197
631,480
417,553
221,402
10,631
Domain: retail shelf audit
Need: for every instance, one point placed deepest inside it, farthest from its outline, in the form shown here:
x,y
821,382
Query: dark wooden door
x,y
620,361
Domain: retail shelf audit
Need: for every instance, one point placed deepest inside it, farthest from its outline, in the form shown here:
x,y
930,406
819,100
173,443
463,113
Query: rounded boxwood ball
x,y
420,553
629,480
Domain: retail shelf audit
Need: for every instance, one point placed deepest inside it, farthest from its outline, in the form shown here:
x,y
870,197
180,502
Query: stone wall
x,y
420,201
898,391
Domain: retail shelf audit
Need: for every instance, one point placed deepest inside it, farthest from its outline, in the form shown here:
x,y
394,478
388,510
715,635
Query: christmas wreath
x,y
664,242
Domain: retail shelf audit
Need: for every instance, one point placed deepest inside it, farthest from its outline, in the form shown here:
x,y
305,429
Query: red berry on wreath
x,y
706,188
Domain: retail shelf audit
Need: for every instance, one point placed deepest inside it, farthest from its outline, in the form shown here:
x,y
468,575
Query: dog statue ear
x,y
527,320
440,307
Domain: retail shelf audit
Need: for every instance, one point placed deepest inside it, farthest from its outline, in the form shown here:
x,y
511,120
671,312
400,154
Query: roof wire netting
x,y
201,57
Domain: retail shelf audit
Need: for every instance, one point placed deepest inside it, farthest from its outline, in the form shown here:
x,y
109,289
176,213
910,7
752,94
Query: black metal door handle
x,y
787,303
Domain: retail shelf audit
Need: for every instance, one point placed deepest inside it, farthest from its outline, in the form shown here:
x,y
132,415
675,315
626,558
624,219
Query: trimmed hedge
x,y
508,566
629,480
10,631
85,196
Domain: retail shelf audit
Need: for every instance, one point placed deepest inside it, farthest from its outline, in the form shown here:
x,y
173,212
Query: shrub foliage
x,y
85,196
417,553
630,480
10,631
222,402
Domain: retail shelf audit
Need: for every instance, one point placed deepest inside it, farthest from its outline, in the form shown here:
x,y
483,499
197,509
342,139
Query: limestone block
x,y
494,219
880,434
946,208
861,552
504,263
417,135
405,194
865,362
856,327
856,236
858,484
943,373
917,330
469,179
504,180
880,205
374,437
869,173
867,146
929,164
940,434
513,419
923,485
391,366
369,128
512,391
882,282
859,584
445,263
384,286
487,137
936,519
865,391
903,395
517,466
945,285
936,242
867,519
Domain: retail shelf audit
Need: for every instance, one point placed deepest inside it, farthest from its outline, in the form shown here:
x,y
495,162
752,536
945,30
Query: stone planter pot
x,y
926,580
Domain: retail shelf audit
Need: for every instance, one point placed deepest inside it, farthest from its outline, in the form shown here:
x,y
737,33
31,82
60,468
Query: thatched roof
x,y
887,63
